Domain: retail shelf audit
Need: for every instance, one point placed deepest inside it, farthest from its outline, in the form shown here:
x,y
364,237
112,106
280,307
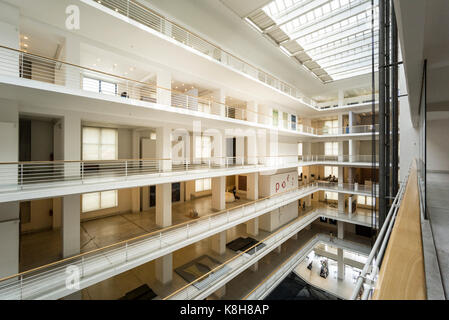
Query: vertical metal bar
x,y
425,139
382,202
387,103
395,103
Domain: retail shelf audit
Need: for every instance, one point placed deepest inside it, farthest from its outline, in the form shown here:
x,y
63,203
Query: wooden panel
x,y
402,271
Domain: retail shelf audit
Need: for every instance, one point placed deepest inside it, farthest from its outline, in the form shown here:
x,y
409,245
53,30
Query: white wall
x,y
438,145
408,138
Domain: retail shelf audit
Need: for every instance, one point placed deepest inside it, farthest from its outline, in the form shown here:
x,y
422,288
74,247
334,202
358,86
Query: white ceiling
x,y
424,34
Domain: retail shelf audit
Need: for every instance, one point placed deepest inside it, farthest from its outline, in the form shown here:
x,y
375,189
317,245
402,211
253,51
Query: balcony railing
x,y
138,12
21,64
48,281
43,174
334,158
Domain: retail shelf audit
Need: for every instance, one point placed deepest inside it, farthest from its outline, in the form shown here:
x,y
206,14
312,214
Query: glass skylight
x,y
335,34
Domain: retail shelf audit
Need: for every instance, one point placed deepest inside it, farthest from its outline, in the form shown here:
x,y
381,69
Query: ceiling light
x,y
131,69
25,45
115,65
25,37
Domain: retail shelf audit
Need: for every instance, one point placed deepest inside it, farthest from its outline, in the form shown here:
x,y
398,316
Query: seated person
x,y
234,191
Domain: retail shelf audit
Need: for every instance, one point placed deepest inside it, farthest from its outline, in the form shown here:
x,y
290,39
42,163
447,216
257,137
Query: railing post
x,y
126,252
160,240
21,175
21,287
82,267
82,172
126,168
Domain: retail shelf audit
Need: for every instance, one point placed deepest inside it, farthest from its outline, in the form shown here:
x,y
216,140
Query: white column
x,y
340,143
163,191
218,243
252,227
341,98
164,87
70,225
163,205
9,144
218,193
341,175
341,202
192,99
9,37
220,293
73,78
164,268
163,147
135,192
72,144
340,263
354,147
351,121
350,205
252,193
240,150
9,238
252,114
254,267
218,147
251,148
218,104
340,256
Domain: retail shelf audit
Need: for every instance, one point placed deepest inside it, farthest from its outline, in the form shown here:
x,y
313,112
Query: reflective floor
x,y
438,208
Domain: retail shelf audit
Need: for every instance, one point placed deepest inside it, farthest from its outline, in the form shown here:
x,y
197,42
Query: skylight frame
x,y
344,32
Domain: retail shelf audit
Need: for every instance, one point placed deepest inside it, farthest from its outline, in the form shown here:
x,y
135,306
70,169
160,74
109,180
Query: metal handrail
x,y
376,256
71,75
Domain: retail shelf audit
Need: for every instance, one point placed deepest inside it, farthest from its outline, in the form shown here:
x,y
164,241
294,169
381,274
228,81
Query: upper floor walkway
x,y
54,79
49,281
35,180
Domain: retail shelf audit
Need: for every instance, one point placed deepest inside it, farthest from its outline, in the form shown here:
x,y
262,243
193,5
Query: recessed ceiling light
x,y
131,69
25,37
115,65
25,45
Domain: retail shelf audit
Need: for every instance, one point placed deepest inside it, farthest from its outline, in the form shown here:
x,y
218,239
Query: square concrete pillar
x,y
72,144
341,202
218,193
254,267
252,227
218,102
72,50
163,267
340,229
252,113
340,264
163,95
164,148
218,243
252,190
163,205
135,200
9,238
220,293
240,150
71,216
341,175
252,156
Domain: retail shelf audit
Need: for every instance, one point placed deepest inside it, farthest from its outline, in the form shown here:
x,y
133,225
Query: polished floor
x,y
438,208
44,247
341,288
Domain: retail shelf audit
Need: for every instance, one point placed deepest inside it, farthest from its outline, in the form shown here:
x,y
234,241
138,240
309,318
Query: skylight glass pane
x,y
330,32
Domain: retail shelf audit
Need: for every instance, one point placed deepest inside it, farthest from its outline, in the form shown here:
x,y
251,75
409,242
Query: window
x,y
293,117
331,148
203,147
330,171
100,86
330,195
275,118
99,144
331,126
285,120
202,185
300,149
99,200
365,200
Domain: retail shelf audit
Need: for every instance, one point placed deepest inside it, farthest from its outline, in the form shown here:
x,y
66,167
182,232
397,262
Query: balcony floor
x,y
44,247
438,206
